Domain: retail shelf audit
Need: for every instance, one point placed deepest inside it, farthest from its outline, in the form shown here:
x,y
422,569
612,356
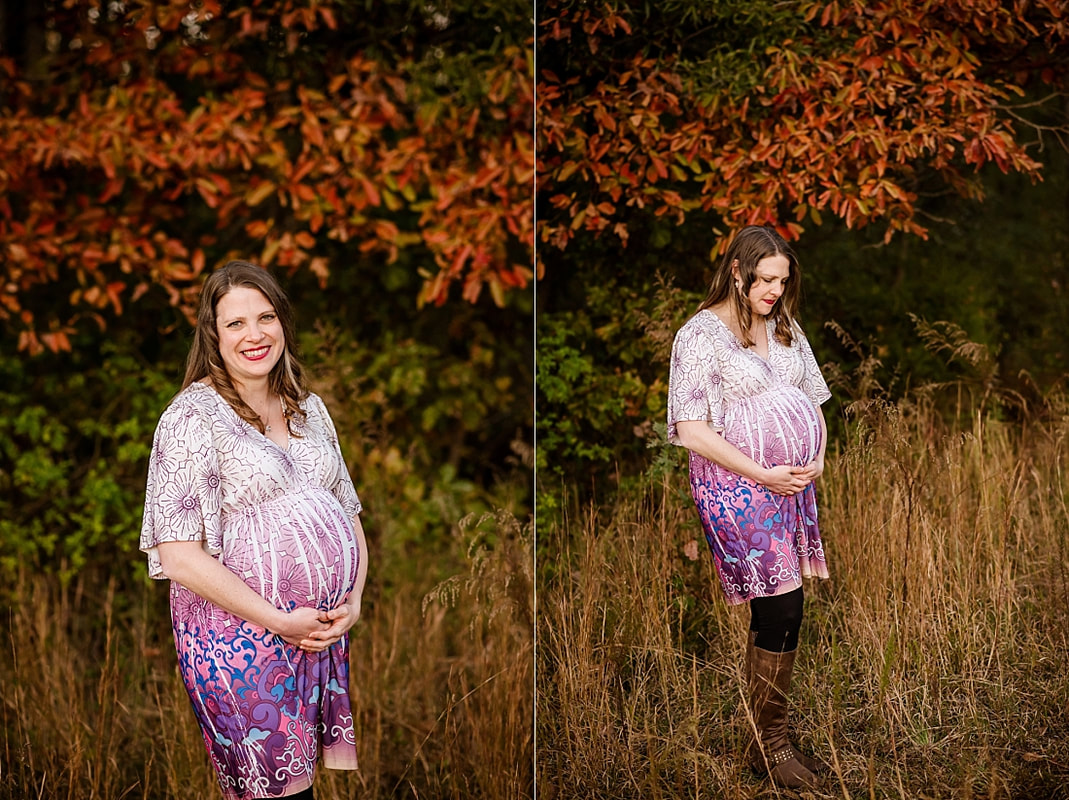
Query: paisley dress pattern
x,y
281,519
763,543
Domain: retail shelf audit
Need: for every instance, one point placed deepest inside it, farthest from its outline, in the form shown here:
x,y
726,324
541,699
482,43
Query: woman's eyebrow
x,y
228,320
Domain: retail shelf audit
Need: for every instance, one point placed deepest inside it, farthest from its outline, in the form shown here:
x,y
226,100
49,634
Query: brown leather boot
x,y
751,641
753,749
770,685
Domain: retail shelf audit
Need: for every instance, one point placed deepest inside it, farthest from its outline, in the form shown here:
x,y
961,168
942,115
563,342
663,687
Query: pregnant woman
x,y
744,399
251,513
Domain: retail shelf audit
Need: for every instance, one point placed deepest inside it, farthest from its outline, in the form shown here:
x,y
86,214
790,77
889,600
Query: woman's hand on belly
x,y
300,625
786,480
813,470
338,621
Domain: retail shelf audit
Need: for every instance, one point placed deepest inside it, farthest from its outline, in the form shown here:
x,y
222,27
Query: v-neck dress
x,y
763,543
281,519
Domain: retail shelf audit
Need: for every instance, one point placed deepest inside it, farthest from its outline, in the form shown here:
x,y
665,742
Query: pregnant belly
x,y
776,427
295,550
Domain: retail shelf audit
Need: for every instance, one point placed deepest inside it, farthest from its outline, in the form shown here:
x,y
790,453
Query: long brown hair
x,y
286,378
749,246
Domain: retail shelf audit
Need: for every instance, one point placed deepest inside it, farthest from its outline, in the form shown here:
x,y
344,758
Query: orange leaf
x,y
319,268
260,193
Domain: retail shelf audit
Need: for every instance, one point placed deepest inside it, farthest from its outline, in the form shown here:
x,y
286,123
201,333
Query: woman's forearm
x,y
783,479
187,563
696,435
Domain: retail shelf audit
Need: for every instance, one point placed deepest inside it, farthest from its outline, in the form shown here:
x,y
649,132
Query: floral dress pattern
x,y
281,519
763,543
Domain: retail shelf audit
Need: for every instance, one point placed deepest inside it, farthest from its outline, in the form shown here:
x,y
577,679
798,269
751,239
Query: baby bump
x,y
780,426
295,550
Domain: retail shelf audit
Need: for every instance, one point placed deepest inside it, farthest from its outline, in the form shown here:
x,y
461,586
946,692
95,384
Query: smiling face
x,y
770,281
251,339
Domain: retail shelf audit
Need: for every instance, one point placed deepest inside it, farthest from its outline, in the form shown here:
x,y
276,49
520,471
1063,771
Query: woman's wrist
x,y
276,620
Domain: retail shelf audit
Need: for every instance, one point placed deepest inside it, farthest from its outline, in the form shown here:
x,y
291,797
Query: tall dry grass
x,y
932,664
92,706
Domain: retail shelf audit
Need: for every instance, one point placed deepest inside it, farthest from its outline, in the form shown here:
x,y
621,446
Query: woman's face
x,y
251,340
770,280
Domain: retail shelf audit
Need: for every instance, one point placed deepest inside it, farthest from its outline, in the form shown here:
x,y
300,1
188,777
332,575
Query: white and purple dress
x,y
763,543
281,519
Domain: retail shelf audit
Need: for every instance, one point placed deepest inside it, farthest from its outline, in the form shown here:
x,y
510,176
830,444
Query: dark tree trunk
x,y
22,36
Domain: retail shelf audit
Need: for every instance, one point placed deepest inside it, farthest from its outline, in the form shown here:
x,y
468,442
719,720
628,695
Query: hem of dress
x,y
339,760
297,789
737,600
293,787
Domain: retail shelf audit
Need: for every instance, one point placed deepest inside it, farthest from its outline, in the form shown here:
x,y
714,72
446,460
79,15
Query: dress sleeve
x,y
341,486
183,492
812,383
694,382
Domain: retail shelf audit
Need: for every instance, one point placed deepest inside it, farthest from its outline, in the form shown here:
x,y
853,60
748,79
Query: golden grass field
x,y
93,707
931,665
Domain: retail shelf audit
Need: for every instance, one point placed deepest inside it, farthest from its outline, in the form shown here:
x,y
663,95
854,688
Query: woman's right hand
x,y
297,626
785,479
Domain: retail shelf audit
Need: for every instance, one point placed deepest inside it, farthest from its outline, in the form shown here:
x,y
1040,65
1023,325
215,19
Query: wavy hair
x,y
748,247
286,378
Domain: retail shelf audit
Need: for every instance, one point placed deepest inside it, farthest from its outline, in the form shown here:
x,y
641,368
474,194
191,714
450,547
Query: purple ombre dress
x,y
763,543
281,520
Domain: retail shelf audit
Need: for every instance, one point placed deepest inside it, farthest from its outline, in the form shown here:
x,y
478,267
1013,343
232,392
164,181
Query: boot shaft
x,y
770,686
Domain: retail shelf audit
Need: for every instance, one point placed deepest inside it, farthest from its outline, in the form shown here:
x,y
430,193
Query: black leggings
x,y
777,620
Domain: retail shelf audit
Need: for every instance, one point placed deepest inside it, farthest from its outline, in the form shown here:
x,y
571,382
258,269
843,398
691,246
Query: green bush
x,y
602,381
73,456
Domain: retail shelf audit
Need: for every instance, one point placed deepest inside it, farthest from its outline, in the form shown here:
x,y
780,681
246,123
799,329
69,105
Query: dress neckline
x,y
768,337
222,400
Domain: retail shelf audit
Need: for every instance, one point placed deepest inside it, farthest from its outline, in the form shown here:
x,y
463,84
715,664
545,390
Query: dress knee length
x,y
282,520
763,543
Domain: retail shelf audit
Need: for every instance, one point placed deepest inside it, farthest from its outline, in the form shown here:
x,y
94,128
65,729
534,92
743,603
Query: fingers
x,y
334,624
797,481
310,641
313,644
335,621
336,613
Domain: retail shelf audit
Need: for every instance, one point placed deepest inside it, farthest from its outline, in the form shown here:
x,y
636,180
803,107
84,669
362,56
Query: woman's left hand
x,y
339,621
813,470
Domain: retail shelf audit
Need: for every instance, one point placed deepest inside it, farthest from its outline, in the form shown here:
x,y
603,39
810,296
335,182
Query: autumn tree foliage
x,y
786,113
663,127
143,143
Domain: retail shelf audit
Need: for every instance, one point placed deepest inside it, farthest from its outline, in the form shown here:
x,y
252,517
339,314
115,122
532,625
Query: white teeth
x,y
255,353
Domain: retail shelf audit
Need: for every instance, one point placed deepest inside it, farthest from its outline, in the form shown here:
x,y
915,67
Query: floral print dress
x,y
763,543
281,519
